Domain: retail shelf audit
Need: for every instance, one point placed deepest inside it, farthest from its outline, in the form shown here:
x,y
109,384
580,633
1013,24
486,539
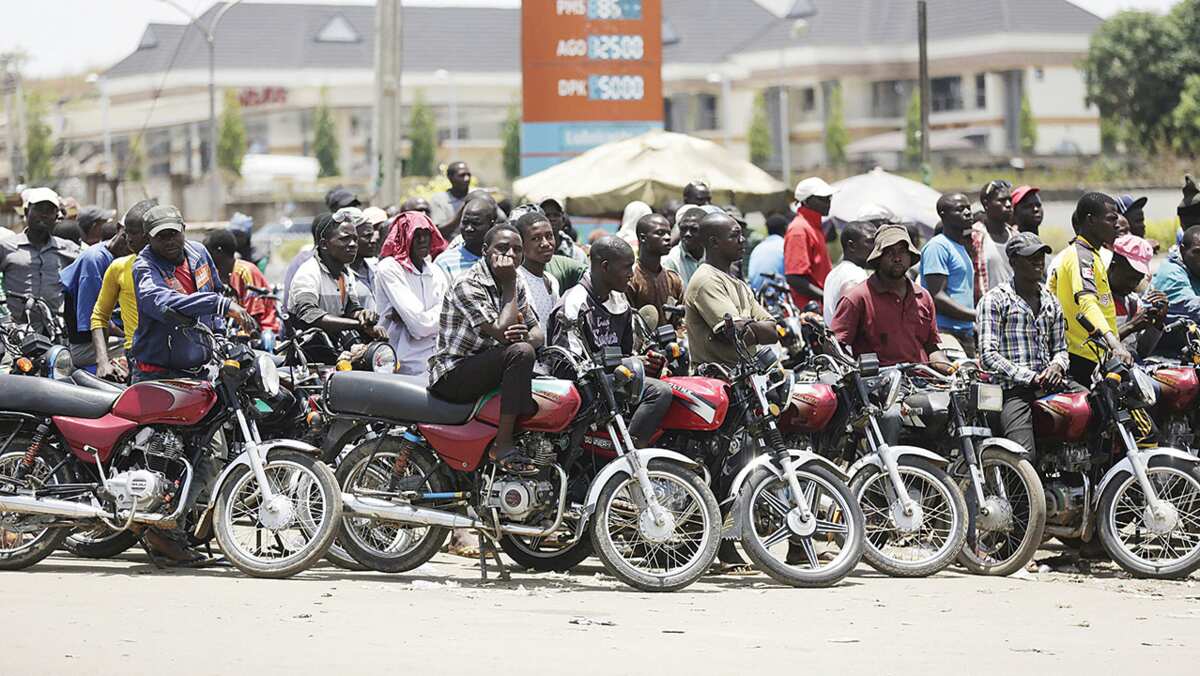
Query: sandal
x,y
513,461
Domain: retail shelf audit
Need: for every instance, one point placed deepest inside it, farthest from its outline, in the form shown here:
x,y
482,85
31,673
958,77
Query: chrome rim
x,y
13,537
933,536
385,538
1129,523
824,548
1003,488
284,542
623,524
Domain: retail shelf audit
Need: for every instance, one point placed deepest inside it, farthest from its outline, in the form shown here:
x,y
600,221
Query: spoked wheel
x,y
1149,543
817,553
915,544
1008,536
553,553
99,542
389,546
289,533
657,554
26,539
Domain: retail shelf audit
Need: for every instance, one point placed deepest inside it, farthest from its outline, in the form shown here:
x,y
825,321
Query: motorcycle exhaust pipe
x,y
66,509
389,511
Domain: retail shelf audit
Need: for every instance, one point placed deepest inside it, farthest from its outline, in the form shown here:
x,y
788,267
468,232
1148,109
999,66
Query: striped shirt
x,y
1014,344
456,260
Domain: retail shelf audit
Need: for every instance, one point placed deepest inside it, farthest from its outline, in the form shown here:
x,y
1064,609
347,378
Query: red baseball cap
x,y
1021,192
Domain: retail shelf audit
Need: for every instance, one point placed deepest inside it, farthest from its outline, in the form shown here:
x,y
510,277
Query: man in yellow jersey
x,y
1080,282
118,289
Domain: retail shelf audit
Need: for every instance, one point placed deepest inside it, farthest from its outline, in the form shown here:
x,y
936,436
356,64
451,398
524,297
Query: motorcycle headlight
x,y
1144,386
59,364
381,358
989,397
268,374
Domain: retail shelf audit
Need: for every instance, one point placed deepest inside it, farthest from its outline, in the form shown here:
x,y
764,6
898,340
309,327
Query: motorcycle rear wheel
x,y
619,529
315,503
906,554
403,547
20,549
536,554
1006,550
1123,519
762,511
99,542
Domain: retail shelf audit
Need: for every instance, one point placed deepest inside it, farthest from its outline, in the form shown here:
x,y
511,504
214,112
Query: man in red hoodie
x,y
805,256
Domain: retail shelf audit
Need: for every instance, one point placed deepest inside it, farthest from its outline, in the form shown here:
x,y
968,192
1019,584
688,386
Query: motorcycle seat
x,y
43,396
391,397
84,379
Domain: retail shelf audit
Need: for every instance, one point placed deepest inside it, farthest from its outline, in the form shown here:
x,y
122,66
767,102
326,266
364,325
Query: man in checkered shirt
x,y
1021,330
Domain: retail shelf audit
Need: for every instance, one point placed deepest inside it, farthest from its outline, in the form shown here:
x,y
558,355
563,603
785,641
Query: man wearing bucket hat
x,y
805,255
1022,336
32,261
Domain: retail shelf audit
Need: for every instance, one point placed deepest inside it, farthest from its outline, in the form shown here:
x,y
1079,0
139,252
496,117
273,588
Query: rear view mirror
x,y
868,365
665,334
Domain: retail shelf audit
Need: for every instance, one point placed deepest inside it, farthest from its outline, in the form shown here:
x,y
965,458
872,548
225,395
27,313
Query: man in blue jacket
x,y
1179,276
180,275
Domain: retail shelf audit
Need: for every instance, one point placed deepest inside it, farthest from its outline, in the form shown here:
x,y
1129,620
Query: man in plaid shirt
x,y
1021,330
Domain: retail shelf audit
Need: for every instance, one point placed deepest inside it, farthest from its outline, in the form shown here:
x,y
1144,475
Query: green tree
x,y
1134,67
422,137
135,159
1186,118
836,136
231,135
511,152
1027,127
39,145
912,132
325,143
759,134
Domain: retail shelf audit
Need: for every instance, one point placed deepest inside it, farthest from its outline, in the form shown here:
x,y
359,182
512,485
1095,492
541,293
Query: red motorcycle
x,y
1178,389
81,458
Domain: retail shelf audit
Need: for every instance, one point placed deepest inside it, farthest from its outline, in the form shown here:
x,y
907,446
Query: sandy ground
x,y
69,616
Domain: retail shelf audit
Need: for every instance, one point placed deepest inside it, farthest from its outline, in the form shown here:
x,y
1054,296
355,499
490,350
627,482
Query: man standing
x,y
805,254
653,284
479,215
445,205
554,209
341,198
1179,276
1080,282
118,287
242,275
767,256
948,273
1027,209
858,242
81,282
416,204
32,261
992,234
686,256
1022,341
537,238
697,194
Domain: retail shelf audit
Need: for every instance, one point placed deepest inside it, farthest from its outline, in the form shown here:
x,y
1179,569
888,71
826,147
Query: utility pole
x,y
386,124
10,85
926,102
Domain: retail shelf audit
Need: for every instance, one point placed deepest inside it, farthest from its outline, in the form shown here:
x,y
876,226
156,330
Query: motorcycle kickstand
x,y
488,545
150,552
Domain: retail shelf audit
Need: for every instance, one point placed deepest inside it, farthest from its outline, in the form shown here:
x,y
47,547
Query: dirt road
x,y
69,616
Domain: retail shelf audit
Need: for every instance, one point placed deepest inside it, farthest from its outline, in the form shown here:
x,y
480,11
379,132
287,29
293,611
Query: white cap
x,y
813,187
875,212
374,215
35,195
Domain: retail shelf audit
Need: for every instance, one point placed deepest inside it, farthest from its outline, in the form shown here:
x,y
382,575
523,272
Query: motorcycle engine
x,y
517,498
142,490
159,442
1065,503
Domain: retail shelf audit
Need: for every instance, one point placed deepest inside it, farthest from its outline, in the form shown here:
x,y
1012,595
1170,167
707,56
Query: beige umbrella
x,y
653,167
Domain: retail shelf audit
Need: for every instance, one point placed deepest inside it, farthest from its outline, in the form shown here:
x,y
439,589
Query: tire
x,y
558,560
423,542
843,529
1122,509
99,542
299,479
1012,545
870,486
613,541
17,550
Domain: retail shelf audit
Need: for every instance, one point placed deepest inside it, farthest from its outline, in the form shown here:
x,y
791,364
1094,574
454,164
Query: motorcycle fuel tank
x,y
166,402
698,404
1178,387
557,400
1062,417
812,407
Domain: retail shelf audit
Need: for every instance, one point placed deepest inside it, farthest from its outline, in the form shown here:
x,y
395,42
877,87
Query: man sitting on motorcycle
x,y
322,292
610,323
1021,332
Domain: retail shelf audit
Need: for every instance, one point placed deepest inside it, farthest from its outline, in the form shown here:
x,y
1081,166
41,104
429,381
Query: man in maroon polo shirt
x,y
888,315
805,254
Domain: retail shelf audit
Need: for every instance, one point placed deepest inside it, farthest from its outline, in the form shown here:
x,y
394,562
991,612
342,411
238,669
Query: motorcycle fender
x,y
622,466
1004,445
265,448
1126,466
801,459
340,433
899,452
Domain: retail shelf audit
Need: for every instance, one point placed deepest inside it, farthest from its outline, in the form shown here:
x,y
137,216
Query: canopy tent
x,y
911,202
653,167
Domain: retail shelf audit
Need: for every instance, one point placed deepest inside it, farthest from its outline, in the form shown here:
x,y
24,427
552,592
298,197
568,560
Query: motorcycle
x,y
652,519
38,353
146,457
790,508
1006,503
776,296
1178,387
914,512
1143,502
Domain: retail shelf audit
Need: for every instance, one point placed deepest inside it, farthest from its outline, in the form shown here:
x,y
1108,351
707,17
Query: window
x,y
808,99
1039,74
981,91
706,112
338,30
889,98
257,137
668,114
946,94
158,153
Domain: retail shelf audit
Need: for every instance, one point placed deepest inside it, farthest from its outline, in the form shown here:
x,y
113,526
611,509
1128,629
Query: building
x,y
283,60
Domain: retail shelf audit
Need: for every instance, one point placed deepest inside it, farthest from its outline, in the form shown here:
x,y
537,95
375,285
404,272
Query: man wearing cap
x,y
554,209
686,256
805,255
173,273
1179,276
341,198
1022,339
363,265
32,261
1140,317
948,272
1027,209
92,220
81,282
446,204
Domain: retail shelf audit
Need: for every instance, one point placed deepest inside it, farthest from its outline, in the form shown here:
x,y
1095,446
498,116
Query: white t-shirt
x,y
994,257
410,306
542,299
844,276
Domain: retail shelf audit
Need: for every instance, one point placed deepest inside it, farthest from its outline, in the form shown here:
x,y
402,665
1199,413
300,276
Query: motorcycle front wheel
x,y
791,552
1164,545
645,554
917,544
1008,536
290,533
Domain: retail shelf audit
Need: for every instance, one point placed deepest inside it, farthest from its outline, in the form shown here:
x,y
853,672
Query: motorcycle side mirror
x,y
868,365
179,319
665,334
